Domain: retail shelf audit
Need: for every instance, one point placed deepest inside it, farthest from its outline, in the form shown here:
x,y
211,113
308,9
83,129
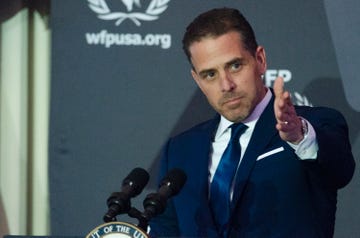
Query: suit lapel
x,y
263,132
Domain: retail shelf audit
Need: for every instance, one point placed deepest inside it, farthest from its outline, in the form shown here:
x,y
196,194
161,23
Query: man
x,y
291,160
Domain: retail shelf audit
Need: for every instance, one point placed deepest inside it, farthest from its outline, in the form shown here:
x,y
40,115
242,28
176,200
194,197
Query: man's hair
x,y
217,22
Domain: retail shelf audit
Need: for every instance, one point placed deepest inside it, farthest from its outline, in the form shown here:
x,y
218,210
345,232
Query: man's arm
x,y
334,157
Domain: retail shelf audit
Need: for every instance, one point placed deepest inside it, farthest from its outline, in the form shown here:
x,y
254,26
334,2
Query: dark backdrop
x,y
121,86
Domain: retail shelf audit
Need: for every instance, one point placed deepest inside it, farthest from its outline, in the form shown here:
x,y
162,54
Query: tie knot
x,y
236,130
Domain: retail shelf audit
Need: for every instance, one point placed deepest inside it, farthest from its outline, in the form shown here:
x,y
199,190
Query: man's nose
x,y
227,83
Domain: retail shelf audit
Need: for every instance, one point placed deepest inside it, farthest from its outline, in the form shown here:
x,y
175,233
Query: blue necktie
x,y
223,179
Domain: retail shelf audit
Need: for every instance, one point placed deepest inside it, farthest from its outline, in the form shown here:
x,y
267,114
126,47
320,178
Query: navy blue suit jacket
x,y
276,196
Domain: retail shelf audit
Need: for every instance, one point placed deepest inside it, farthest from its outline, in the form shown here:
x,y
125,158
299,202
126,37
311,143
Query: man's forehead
x,y
217,52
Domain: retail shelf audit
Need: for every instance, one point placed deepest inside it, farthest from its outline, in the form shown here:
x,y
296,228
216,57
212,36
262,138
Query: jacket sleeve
x,y
335,160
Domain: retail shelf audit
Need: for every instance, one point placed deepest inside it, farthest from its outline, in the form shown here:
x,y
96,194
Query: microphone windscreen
x,y
137,179
175,180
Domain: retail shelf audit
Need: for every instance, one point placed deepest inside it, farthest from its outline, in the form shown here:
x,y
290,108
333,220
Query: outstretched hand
x,y
288,123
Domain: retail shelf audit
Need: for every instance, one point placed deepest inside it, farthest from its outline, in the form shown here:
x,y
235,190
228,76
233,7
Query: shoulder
x,y
206,127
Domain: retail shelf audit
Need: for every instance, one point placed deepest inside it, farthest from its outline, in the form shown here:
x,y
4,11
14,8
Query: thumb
x,y
279,87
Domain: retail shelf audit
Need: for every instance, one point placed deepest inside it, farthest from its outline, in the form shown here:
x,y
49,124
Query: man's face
x,y
229,75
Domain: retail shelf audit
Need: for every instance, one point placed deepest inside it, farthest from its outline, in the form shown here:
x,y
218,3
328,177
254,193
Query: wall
x,y
120,89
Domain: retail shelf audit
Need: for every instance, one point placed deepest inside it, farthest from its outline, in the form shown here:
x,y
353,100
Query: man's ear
x,y
261,59
195,76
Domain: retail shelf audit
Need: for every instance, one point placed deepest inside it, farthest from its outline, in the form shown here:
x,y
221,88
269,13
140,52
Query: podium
x,y
117,230
109,230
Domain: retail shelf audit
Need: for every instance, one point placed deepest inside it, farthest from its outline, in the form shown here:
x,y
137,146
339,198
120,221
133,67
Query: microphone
x,y
170,185
132,185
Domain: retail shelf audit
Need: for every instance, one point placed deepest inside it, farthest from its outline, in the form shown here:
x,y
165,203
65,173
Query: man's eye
x,y
209,75
235,66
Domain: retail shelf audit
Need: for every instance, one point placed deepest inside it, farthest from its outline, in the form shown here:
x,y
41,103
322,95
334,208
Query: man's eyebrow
x,y
227,65
235,60
205,71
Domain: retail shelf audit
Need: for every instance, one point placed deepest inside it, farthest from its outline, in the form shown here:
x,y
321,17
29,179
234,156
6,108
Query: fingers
x,y
285,114
284,109
291,131
282,98
278,87
288,123
279,90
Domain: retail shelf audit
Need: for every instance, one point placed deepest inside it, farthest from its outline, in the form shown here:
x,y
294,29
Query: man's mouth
x,y
232,101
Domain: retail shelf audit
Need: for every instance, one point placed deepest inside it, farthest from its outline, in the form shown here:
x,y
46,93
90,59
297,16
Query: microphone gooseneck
x,y
132,185
170,185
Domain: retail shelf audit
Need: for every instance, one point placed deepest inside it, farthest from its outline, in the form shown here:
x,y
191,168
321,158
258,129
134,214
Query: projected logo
x,y
272,74
109,39
152,12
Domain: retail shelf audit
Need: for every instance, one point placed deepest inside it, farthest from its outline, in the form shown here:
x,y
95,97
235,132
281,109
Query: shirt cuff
x,y
308,147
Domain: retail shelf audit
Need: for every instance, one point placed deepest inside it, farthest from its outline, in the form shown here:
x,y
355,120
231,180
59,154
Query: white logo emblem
x,y
117,230
155,8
